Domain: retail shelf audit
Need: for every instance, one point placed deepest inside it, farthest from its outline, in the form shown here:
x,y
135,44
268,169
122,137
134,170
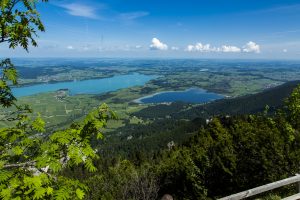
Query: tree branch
x,y
26,164
1,41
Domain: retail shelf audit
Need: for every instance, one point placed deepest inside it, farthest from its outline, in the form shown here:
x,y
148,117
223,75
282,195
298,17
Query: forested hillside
x,y
178,121
228,155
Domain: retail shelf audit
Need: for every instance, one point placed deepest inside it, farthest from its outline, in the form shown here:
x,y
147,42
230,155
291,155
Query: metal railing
x,y
268,187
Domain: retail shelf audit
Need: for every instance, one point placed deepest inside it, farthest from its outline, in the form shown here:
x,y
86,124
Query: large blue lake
x,y
193,95
94,86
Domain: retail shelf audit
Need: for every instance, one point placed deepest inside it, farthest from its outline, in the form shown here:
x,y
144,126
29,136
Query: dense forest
x,y
203,160
179,121
227,155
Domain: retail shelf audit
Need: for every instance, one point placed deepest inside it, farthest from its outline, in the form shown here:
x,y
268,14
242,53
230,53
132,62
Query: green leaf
x,y
5,175
62,194
39,124
2,84
4,3
6,193
2,164
39,193
80,193
11,74
49,190
98,124
90,166
100,136
17,150
32,182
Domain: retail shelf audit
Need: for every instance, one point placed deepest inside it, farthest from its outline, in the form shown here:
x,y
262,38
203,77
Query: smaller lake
x,y
93,86
193,95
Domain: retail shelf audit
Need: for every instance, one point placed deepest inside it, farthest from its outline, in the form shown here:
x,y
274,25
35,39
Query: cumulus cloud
x,y
80,10
285,50
201,48
230,49
70,47
175,48
251,47
158,45
208,48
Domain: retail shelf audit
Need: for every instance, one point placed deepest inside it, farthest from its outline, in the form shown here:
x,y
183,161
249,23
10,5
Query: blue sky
x,y
267,29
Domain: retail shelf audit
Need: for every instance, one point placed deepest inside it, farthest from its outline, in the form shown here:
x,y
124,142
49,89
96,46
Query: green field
x,y
230,79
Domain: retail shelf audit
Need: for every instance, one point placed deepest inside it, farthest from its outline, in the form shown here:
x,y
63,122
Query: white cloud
x,y
158,45
133,15
190,48
285,50
70,47
175,48
138,46
80,10
201,48
230,49
251,47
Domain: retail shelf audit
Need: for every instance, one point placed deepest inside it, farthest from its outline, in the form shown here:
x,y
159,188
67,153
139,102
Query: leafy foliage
x,y
19,26
9,76
32,160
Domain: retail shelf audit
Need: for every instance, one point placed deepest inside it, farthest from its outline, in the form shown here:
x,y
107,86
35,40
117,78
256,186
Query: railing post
x,y
298,185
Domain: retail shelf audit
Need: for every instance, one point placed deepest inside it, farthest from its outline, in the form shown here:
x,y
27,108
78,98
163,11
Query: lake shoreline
x,y
192,89
90,86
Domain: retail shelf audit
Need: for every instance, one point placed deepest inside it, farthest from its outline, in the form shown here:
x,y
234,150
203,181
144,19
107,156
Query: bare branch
x,y
26,164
